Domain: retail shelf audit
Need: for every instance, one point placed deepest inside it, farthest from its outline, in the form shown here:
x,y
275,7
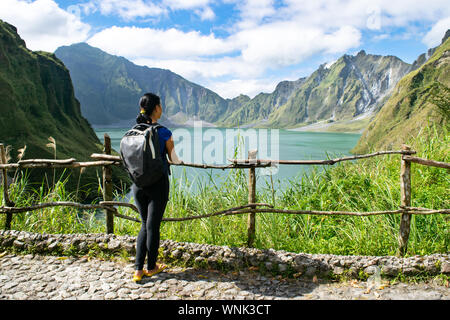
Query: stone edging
x,y
230,258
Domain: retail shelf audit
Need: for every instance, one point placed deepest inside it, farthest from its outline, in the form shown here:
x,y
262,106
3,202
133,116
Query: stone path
x,y
29,277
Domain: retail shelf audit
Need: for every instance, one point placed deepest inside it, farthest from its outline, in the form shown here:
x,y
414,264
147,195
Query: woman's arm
x,y
171,151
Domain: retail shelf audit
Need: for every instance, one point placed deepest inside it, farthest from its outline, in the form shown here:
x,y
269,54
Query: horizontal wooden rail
x,y
321,162
427,162
99,156
360,214
106,160
231,211
48,163
39,206
238,210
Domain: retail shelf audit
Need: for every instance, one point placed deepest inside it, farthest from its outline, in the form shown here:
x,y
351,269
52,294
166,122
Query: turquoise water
x,y
216,145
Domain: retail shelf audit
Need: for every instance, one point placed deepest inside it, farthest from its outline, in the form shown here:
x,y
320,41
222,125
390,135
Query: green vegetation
x,y
364,185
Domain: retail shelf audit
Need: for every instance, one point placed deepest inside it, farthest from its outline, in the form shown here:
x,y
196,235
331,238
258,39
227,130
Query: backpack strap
x,y
156,125
140,125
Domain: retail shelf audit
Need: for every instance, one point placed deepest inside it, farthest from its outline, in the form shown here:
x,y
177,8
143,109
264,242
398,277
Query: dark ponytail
x,y
148,103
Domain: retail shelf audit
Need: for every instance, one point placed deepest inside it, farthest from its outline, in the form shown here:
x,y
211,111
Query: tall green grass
x,y
364,185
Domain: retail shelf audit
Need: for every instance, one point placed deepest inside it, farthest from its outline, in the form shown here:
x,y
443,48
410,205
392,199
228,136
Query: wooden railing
x,y
106,160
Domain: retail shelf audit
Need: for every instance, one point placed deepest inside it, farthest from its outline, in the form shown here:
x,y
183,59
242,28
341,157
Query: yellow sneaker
x,y
137,278
160,268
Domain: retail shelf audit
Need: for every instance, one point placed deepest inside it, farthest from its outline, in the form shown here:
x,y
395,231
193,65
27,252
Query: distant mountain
x,y
37,101
255,111
350,91
109,88
419,99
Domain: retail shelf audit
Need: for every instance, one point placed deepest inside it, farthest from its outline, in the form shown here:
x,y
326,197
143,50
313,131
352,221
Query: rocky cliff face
x,y
37,101
420,99
351,88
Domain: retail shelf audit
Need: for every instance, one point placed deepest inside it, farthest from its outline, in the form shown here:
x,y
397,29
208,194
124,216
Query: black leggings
x,y
151,203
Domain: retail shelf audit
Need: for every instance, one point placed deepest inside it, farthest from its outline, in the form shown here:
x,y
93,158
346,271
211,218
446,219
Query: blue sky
x,y
233,46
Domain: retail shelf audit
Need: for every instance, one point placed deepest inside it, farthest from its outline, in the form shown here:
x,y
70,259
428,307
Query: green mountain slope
x,y
420,99
37,101
109,88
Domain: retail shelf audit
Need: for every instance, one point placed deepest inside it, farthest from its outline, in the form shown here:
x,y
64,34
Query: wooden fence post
x,y
108,186
6,199
405,185
251,199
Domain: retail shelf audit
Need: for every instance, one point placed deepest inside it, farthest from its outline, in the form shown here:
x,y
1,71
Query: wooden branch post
x,y
108,186
405,185
6,199
251,199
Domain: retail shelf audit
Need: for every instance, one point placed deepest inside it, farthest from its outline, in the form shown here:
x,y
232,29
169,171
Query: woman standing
x,y
151,201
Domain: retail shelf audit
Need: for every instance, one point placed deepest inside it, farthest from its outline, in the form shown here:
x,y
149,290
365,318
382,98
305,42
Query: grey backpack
x,y
141,156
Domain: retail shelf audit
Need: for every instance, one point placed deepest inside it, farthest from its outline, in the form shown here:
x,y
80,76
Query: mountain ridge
x,y
185,101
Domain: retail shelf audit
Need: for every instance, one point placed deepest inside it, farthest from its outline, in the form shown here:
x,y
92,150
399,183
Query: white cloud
x,y
129,9
43,24
360,13
134,42
434,37
205,13
200,7
286,43
185,4
254,11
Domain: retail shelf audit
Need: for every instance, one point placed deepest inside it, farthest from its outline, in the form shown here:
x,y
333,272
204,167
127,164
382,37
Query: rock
x,y
110,296
445,267
146,296
19,244
310,271
20,296
282,267
113,244
177,254
199,259
53,245
390,270
338,270
371,269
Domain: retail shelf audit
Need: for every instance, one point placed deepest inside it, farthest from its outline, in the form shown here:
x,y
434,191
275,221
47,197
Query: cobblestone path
x,y
49,278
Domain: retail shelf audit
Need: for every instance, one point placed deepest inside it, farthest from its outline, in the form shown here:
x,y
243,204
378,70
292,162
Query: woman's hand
x,y
171,152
